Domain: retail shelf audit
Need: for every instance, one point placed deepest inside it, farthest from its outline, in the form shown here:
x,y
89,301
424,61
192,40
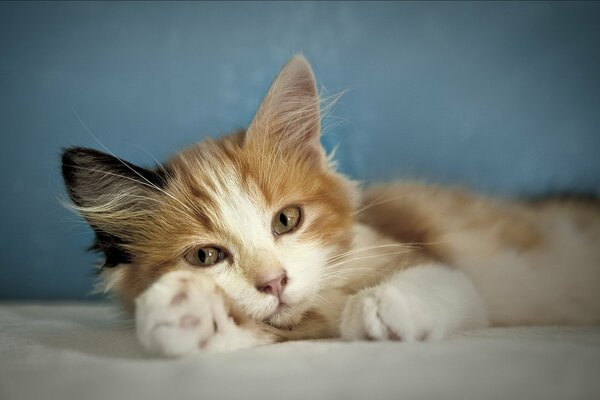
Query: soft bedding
x,y
89,351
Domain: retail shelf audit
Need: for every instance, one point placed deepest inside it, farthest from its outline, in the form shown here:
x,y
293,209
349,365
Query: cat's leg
x,y
184,313
427,302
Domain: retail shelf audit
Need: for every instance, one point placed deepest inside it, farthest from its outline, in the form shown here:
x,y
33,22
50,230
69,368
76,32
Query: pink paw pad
x,y
189,321
179,298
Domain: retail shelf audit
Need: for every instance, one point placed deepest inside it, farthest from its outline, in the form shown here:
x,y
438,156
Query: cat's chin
x,y
284,316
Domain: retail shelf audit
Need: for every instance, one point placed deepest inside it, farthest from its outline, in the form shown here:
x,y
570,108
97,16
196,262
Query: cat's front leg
x,y
428,302
185,313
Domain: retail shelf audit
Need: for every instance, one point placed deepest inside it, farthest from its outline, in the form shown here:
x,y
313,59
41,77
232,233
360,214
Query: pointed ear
x,y
288,118
113,196
93,178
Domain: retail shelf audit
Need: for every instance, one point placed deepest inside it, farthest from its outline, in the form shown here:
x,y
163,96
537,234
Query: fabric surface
x,y
86,351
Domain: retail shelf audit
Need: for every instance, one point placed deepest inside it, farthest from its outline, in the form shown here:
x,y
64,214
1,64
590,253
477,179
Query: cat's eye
x,y
286,220
205,256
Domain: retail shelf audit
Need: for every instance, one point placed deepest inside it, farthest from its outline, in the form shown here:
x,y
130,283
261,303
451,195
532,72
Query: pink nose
x,y
273,286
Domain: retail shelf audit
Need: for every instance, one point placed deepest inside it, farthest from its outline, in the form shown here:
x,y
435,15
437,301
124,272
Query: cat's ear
x,y
94,178
288,118
114,196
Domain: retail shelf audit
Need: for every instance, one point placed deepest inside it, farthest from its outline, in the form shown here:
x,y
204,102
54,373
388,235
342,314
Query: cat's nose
x,y
273,286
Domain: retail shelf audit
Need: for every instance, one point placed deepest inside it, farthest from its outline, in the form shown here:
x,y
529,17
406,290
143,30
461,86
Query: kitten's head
x,y
260,211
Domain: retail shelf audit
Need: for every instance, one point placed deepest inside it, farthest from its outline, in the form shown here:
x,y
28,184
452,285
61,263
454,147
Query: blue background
x,y
503,97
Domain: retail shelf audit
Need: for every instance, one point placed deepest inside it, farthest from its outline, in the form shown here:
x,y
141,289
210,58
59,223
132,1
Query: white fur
x,y
427,302
177,316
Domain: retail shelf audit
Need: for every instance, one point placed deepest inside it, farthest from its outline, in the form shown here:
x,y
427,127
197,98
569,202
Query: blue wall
x,y
504,97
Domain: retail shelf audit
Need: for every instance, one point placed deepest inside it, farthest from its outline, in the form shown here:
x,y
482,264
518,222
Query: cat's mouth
x,y
281,316
285,311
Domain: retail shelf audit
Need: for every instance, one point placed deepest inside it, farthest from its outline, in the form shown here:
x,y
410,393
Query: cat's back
x,y
415,212
546,248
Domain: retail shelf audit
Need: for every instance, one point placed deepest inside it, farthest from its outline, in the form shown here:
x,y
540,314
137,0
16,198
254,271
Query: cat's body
x,y
255,238
533,262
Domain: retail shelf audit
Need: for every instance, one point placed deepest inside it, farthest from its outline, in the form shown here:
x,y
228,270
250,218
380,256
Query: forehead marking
x,y
240,209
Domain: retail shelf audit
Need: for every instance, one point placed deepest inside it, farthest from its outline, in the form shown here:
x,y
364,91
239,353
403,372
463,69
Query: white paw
x,y
383,313
184,313
420,304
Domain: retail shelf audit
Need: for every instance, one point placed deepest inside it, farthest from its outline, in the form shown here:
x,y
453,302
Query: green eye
x,y
286,220
205,256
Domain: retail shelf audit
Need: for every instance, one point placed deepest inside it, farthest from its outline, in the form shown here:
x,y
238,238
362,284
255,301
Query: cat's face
x,y
259,211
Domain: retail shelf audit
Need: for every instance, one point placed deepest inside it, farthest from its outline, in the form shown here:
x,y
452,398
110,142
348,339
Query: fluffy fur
x,y
394,262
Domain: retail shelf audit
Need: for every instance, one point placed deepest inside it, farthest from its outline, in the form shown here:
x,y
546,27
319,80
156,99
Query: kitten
x,y
254,238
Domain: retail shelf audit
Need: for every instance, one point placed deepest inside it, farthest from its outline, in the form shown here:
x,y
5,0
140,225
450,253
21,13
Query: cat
x,y
255,238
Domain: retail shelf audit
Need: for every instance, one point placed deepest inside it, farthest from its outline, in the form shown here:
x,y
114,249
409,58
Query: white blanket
x,y
86,352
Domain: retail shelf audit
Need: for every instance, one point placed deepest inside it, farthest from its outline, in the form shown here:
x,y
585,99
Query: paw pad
x,y
189,321
179,298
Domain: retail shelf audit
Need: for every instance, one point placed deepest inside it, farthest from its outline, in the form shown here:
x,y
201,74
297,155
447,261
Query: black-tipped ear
x,y
90,174
110,193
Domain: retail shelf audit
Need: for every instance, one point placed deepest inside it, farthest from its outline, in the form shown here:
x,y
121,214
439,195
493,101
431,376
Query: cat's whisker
x,y
380,200
368,257
323,299
345,274
363,249
368,205
420,245
336,270
158,163
329,262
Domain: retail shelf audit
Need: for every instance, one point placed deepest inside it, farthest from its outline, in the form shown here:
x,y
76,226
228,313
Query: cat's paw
x,y
383,313
421,304
184,313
